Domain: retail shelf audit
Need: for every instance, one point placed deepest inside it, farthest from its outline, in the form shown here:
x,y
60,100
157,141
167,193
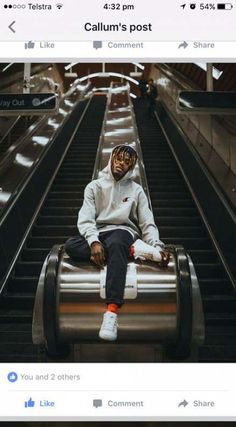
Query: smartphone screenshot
x,y
117,212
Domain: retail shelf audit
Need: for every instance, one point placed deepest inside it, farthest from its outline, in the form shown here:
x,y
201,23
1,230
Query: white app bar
x,y
117,391
182,50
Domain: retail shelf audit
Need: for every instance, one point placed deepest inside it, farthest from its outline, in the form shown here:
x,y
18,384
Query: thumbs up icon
x,y
30,403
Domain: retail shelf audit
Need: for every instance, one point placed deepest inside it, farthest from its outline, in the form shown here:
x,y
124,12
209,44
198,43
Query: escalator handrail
x,y
51,300
182,347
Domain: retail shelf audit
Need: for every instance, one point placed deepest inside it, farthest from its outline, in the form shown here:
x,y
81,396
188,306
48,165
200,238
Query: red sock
x,y
113,307
131,251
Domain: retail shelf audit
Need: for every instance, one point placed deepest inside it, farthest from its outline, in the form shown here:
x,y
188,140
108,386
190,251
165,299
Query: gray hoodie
x,y
111,205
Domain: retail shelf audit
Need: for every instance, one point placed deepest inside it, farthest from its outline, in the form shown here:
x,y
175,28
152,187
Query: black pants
x,y
116,245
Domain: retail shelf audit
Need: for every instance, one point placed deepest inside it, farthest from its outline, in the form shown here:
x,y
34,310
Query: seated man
x,y
114,215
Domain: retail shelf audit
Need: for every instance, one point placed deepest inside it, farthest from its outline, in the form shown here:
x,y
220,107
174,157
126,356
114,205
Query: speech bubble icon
x,y
97,44
97,403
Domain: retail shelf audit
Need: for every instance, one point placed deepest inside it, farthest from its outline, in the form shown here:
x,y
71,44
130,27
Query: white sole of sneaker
x,y
107,337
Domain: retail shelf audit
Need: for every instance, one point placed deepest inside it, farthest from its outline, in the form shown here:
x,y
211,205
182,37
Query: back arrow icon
x,y
11,25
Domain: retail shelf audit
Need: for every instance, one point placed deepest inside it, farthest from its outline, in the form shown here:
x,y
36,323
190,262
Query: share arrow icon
x,y
184,45
184,403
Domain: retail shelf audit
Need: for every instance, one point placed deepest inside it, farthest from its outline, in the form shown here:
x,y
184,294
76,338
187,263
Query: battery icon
x,y
224,6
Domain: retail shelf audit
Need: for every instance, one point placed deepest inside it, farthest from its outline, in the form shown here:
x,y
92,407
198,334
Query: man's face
x,y
120,165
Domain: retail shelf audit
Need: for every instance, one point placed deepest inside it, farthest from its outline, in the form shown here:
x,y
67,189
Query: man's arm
x,y
86,218
150,233
87,226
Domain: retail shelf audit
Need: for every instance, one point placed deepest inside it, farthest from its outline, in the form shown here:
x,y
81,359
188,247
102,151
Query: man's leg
x,y
117,244
77,248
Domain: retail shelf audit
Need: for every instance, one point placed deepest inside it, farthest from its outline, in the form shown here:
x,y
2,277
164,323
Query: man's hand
x,y
97,254
165,258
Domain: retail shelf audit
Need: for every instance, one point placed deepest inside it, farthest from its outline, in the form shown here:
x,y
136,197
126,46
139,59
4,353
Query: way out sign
x,y
27,104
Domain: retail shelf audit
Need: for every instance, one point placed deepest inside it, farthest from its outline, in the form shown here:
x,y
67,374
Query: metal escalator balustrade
x,y
179,222
55,222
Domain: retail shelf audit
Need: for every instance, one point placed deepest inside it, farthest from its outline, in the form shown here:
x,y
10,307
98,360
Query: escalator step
x,y
222,319
63,202
55,230
216,335
16,316
189,243
201,256
22,283
220,303
16,300
34,254
217,353
31,268
183,232
209,270
45,241
60,211
211,286
57,220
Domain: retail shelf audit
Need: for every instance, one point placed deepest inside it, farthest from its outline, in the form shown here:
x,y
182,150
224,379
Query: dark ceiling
x,y
194,75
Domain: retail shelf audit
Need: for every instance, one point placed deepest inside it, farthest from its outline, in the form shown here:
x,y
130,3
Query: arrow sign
x,y
28,103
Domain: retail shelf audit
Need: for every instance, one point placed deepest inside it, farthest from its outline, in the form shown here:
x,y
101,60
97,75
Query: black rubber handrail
x,y
51,304
183,345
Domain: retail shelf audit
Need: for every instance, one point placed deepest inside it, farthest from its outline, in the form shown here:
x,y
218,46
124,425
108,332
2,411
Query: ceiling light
x,y
67,67
7,66
216,73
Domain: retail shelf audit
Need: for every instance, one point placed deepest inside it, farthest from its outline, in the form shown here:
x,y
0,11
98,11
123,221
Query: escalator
x,y
55,223
175,213
179,222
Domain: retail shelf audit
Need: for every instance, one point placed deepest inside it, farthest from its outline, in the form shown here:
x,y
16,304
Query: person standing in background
x,y
143,85
152,96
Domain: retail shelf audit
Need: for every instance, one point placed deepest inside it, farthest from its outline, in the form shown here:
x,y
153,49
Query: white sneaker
x,y
108,330
144,251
